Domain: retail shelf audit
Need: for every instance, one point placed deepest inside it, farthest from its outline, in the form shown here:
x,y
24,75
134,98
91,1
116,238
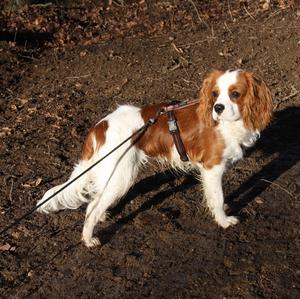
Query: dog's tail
x,y
72,197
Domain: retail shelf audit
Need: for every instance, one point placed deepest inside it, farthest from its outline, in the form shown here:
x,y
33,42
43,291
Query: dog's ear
x,y
207,98
257,106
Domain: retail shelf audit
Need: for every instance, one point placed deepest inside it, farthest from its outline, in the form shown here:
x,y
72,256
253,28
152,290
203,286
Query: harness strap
x,y
177,105
174,131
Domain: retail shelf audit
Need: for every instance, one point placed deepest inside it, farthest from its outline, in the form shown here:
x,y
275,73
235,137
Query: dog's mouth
x,y
220,117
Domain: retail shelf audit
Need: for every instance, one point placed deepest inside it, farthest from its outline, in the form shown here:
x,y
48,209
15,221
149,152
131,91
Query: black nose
x,y
219,108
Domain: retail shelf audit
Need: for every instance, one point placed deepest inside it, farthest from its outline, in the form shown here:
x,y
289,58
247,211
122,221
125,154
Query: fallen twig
x,y
226,26
26,57
230,13
248,13
78,77
197,12
10,191
285,99
279,186
42,4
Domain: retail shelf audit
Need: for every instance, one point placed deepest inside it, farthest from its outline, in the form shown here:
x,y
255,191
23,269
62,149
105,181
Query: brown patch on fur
x,y
207,99
203,144
97,134
256,104
241,87
156,141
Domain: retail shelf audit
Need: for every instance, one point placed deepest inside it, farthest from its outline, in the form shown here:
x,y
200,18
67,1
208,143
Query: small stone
x,y
259,200
240,61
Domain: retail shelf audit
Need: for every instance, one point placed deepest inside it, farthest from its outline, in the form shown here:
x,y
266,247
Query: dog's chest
x,y
235,135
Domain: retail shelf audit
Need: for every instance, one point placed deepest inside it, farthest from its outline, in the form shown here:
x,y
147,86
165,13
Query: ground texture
x,y
160,241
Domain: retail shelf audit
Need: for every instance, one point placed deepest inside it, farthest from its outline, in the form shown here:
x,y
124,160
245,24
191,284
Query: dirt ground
x,y
159,242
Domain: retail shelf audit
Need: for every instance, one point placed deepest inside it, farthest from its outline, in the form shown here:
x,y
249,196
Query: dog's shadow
x,y
280,138
141,188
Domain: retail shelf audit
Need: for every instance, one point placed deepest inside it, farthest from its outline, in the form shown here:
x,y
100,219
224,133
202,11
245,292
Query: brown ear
x,y
257,106
206,98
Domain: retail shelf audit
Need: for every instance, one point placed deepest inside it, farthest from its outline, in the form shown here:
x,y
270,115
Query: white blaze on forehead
x,y
230,111
226,80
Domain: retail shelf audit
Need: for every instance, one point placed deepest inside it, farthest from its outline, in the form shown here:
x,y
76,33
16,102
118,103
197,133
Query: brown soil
x,y
159,241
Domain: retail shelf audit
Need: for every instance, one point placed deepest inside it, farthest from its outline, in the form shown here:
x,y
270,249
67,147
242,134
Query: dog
x,y
234,107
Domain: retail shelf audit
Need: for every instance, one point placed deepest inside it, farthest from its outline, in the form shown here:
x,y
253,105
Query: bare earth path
x,y
159,242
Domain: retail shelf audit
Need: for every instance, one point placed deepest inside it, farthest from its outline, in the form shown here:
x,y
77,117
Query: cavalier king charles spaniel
x,y
234,107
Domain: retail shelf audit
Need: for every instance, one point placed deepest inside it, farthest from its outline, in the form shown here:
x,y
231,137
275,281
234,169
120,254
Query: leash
x,y
151,121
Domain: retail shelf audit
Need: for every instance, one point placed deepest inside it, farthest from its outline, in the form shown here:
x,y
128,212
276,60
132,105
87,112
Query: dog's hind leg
x,y
96,212
120,180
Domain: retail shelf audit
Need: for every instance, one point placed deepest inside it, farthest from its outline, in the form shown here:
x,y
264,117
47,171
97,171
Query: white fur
x,y
106,183
234,134
231,111
72,197
212,187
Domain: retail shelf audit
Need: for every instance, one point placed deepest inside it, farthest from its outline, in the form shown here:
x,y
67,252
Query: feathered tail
x,y
73,196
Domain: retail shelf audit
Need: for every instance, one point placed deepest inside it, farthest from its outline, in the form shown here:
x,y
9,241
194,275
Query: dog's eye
x,y
235,94
214,94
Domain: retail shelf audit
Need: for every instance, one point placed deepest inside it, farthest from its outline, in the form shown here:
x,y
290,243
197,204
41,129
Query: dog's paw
x,y
227,221
92,242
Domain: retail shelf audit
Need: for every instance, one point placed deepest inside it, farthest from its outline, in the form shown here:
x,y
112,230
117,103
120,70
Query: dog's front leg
x,y
213,192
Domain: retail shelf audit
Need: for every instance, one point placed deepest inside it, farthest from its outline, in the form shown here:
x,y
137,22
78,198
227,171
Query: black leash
x,y
150,122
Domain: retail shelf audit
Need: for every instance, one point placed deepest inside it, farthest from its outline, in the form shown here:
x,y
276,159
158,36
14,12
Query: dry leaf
x,y
5,247
16,235
37,182
33,183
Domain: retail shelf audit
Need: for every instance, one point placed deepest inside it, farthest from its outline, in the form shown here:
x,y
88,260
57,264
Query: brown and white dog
x,y
234,107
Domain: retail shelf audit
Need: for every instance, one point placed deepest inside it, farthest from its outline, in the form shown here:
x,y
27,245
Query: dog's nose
x,y
219,108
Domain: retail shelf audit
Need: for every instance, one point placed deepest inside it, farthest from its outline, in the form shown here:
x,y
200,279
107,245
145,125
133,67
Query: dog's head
x,y
235,95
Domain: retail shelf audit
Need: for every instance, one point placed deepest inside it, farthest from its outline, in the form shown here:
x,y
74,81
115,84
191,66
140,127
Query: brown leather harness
x,y
173,127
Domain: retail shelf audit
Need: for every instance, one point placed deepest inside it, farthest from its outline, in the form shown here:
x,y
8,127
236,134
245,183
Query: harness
x,y
173,127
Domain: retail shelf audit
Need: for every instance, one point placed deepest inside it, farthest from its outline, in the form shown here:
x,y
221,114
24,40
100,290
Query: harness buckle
x,y
173,128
